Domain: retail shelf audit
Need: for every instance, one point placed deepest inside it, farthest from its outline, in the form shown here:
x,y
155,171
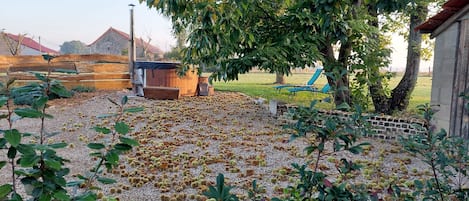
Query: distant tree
x,y
14,47
73,47
176,52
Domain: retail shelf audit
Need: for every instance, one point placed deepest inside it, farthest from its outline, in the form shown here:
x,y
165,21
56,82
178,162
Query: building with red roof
x,y
28,46
116,42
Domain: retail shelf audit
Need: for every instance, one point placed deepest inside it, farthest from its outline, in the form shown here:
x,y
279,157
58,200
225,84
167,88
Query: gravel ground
x,y
185,143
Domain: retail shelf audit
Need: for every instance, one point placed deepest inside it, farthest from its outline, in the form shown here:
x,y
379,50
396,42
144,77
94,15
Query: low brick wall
x,y
384,126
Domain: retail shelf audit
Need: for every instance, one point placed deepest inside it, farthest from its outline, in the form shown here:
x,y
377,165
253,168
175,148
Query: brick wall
x,y
385,127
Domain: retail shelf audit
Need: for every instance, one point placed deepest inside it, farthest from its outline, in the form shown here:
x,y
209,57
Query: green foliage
x,y
220,192
448,159
343,134
83,89
74,47
26,94
108,151
254,193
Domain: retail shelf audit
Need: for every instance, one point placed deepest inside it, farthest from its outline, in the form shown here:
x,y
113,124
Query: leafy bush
x,y
83,89
220,192
26,94
448,158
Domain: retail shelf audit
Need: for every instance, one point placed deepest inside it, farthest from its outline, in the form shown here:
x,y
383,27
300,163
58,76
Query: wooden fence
x,y
99,71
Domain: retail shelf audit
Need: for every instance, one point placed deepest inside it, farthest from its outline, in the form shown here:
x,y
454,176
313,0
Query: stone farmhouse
x,y
116,42
28,46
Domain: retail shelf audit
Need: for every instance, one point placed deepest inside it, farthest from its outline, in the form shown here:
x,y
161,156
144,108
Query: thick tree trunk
x,y
338,68
378,96
342,82
279,78
401,94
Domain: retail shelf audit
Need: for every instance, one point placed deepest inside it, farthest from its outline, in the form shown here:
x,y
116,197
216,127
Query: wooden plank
x,y
90,58
161,93
94,58
4,67
98,84
101,67
74,77
41,67
457,125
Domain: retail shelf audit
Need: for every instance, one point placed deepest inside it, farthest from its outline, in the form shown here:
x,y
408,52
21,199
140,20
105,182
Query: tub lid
x,y
156,65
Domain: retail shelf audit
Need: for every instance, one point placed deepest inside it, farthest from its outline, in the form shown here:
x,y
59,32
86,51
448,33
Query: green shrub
x,y
83,89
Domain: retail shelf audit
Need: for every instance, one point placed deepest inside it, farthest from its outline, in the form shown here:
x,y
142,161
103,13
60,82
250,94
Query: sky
x,y
59,21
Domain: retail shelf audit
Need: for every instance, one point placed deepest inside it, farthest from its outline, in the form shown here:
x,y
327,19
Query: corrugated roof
x,y
138,41
29,42
449,9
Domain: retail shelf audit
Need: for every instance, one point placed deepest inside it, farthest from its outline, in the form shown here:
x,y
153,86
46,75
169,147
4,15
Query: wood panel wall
x,y
99,71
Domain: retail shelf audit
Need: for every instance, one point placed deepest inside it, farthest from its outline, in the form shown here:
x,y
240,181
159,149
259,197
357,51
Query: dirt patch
x,y
185,143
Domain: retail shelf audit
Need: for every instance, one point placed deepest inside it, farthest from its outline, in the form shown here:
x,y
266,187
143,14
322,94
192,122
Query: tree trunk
x,y
378,96
339,82
401,94
279,78
342,82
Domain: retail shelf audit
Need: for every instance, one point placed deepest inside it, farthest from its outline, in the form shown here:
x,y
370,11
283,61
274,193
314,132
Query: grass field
x,y
260,85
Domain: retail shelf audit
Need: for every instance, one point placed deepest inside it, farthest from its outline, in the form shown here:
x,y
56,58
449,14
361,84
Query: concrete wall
x,y
443,74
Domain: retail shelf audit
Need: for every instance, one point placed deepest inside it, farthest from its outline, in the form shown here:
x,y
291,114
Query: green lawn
x,y
257,84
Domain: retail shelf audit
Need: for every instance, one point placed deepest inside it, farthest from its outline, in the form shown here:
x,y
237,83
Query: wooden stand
x,y
161,93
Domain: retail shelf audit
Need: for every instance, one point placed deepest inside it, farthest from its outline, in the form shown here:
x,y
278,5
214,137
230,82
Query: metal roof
x,y
449,9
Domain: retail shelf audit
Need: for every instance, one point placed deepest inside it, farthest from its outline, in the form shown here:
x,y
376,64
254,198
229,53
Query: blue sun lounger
x,y
308,84
325,89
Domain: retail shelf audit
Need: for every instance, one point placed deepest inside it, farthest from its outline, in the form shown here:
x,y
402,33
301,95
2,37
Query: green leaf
x,y
2,164
11,153
29,160
106,115
3,100
40,77
60,90
58,145
61,195
3,142
40,103
28,113
53,164
74,183
124,100
128,141
13,137
96,154
134,109
16,197
48,57
112,157
68,71
96,146
87,196
122,147
26,149
5,190
122,128
102,130
104,180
